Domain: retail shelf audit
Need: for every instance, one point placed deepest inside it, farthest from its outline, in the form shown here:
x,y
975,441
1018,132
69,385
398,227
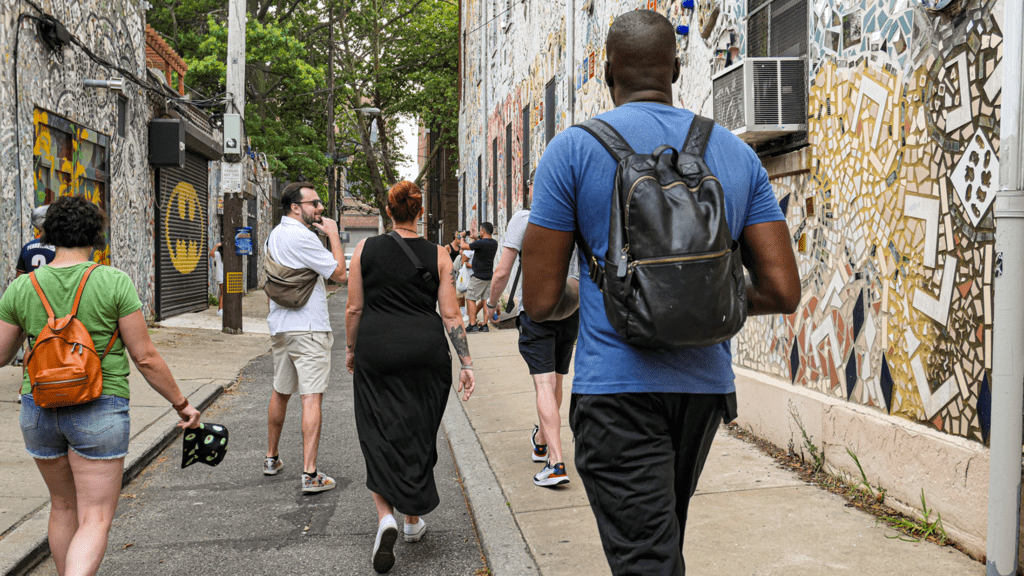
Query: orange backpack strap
x,y
39,291
117,332
81,286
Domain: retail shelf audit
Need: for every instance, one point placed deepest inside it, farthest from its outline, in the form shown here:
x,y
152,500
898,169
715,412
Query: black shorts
x,y
547,346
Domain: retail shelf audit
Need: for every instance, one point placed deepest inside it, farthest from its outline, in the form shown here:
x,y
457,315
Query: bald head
x,y
642,62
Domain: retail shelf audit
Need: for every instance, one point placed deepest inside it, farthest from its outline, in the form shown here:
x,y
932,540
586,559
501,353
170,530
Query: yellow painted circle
x,y
184,252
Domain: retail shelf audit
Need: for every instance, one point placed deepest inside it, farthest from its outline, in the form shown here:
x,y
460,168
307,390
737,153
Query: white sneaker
x,y
384,546
220,312
413,532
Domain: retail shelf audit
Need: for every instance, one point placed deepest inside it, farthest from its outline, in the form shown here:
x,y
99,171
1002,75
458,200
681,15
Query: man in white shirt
x,y
547,349
301,338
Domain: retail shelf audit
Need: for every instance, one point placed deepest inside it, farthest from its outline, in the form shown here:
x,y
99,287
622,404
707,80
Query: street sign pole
x,y
233,179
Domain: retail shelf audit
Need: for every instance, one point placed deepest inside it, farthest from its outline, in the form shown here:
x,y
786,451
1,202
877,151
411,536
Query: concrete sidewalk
x,y
203,360
749,516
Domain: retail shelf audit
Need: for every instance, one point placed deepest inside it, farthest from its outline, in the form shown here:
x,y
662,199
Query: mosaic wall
x,y
52,85
893,224
890,211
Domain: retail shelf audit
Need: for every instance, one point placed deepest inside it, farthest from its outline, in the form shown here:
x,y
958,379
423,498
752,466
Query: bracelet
x,y
180,407
470,368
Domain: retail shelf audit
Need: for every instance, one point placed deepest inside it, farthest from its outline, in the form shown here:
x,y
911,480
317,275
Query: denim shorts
x,y
98,430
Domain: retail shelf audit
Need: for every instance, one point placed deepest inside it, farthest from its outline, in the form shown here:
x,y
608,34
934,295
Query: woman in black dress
x,y
402,366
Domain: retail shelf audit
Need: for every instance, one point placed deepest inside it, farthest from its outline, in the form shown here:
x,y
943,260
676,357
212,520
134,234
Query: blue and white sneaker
x,y
551,475
540,451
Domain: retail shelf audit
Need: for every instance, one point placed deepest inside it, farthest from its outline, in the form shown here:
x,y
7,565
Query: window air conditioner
x,y
761,99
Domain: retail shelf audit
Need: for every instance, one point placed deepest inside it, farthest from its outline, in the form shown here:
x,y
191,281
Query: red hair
x,y
405,201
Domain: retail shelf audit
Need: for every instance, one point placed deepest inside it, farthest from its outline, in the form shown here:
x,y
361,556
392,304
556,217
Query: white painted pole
x,y
570,59
1008,338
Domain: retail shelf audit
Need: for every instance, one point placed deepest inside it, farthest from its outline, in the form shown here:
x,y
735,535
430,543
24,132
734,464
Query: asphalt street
x,y
232,519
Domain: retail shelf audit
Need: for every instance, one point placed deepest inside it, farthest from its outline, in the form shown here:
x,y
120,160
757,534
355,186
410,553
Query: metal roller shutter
x,y
182,273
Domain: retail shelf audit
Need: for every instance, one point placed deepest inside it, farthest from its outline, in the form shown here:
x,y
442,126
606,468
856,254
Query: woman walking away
x,y
402,366
80,449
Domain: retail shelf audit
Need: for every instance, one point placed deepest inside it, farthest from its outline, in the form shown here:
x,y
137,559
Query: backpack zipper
x,y
55,382
672,259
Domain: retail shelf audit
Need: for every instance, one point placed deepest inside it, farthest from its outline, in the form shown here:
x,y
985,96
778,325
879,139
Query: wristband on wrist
x,y
467,367
180,407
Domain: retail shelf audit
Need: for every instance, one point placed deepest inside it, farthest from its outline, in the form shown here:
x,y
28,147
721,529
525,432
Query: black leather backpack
x,y
672,277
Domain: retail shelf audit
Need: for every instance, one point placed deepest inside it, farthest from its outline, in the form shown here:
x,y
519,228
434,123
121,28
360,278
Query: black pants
x,y
639,456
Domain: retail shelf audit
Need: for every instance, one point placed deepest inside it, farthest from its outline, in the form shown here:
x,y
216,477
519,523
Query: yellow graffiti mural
x,y
185,252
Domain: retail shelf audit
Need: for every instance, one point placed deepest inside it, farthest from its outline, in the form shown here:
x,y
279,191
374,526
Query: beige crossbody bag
x,y
288,287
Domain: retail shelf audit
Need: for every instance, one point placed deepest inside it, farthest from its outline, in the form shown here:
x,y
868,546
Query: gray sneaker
x,y
272,465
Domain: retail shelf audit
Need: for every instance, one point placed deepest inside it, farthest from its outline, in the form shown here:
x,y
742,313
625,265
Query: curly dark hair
x,y
74,222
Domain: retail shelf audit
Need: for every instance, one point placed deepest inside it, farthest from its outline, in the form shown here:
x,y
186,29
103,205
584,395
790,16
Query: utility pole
x,y
233,284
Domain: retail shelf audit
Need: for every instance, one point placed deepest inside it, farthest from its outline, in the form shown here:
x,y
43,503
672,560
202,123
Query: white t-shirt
x,y
514,234
293,245
218,267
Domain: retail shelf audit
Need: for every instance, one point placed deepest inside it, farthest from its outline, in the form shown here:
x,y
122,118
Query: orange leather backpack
x,y
63,365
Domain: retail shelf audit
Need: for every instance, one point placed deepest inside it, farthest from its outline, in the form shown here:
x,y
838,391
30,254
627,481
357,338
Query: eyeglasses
x,y
317,202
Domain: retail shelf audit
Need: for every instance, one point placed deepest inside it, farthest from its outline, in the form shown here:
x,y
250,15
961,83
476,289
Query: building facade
x,y
886,175
66,129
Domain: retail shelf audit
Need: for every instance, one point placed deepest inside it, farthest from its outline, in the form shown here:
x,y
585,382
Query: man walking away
x,y
484,251
643,418
35,254
301,338
547,349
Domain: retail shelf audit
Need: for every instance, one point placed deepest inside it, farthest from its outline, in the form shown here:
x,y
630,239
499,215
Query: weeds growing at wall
x,y
858,492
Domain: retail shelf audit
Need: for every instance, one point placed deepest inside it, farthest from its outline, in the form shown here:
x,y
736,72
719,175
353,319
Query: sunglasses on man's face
x,y
315,203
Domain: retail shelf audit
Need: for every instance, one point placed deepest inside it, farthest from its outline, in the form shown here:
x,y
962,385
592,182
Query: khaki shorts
x,y
478,289
302,361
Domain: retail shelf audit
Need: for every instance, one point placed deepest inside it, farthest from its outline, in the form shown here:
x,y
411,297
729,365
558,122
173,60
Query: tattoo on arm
x,y
457,334
455,275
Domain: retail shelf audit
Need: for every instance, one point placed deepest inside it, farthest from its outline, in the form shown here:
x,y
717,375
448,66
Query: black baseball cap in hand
x,y
207,444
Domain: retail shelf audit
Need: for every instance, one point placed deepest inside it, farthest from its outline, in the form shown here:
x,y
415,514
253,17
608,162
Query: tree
x,y
400,56
284,79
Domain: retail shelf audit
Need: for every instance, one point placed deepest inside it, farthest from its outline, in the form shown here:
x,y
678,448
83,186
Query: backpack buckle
x,y
596,273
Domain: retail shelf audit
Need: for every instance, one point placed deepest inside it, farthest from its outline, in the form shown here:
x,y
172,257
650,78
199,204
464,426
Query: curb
x,y
26,546
500,537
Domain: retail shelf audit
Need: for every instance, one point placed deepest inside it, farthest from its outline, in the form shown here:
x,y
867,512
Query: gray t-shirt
x,y
514,233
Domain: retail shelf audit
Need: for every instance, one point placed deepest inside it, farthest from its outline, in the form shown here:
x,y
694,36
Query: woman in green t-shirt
x,y
80,450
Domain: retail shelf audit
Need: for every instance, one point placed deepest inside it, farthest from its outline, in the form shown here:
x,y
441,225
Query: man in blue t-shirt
x,y
35,253
644,419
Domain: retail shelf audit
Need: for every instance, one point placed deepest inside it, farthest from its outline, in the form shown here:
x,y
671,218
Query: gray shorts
x,y
478,289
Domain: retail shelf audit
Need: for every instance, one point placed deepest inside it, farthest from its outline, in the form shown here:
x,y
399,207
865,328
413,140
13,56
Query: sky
x,y
408,170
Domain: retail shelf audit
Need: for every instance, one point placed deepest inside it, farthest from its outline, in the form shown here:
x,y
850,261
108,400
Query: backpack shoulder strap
x,y
39,291
697,137
608,137
81,286
427,276
113,338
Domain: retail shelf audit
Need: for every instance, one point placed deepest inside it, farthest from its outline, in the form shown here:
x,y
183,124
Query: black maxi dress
x,y
403,373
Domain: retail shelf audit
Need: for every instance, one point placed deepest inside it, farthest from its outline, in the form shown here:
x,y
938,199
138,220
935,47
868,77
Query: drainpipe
x,y
1008,332
570,58
486,71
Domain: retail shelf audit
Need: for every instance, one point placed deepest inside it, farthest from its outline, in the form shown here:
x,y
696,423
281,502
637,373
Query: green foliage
x,y
919,529
817,454
400,56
